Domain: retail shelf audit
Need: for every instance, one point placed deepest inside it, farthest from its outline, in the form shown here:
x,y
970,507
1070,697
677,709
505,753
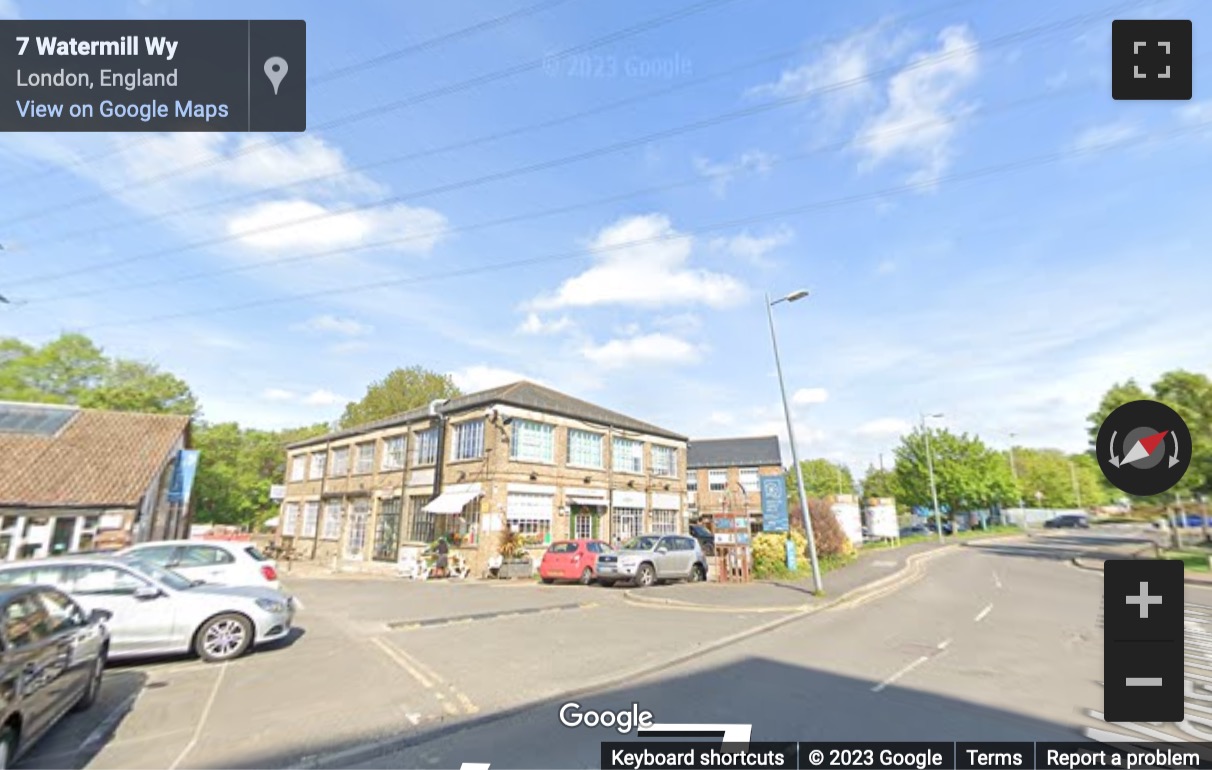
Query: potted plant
x,y
515,561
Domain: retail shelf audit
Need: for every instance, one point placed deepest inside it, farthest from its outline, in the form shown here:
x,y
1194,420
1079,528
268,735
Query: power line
x,y
425,96
698,179
986,172
580,156
474,142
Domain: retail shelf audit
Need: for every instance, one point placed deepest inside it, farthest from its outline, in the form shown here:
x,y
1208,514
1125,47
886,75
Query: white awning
x,y
599,502
450,502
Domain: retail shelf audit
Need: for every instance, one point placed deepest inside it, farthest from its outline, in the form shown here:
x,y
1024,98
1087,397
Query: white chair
x,y
494,565
410,564
458,567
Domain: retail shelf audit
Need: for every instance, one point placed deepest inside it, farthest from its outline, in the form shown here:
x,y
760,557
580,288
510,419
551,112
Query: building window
x,y
422,522
427,447
749,479
393,454
340,461
469,440
311,516
664,460
692,481
316,469
355,537
532,442
665,522
331,529
364,461
717,481
626,523
584,448
583,527
290,518
628,456
387,530
298,467
530,516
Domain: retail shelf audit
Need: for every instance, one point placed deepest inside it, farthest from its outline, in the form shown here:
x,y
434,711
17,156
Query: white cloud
x,y
9,9
885,267
678,323
1097,137
884,427
1192,113
724,173
472,379
917,126
349,347
722,418
646,349
290,225
278,394
754,248
335,324
643,261
536,325
805,396
323,398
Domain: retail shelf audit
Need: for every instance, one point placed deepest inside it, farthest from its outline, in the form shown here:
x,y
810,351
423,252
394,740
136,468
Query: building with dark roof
x,y
523,456
724,475
73,479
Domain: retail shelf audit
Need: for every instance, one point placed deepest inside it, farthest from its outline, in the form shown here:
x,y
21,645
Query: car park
x,y
222,562
51,663
649,559
1067,521
572,560
159,612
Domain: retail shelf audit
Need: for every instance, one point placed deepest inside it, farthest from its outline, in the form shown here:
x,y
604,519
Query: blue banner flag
x,y
182,484
774,504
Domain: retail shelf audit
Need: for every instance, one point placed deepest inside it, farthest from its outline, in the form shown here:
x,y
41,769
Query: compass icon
x,y
1144,448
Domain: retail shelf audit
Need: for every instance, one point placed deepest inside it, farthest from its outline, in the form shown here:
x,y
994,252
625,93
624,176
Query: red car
x,y
572,560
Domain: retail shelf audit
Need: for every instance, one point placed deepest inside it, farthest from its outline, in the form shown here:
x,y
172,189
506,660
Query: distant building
x,y
75,479
544,463
723,475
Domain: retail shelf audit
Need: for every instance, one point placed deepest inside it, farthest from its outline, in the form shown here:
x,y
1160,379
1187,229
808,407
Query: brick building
x,y
73,479
723,474
550,465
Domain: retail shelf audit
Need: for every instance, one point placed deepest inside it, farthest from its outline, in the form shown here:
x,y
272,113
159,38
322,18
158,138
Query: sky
x,y
983,231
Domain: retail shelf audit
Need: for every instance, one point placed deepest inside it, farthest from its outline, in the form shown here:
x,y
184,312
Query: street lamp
x,y
1022,507
795,458
938,518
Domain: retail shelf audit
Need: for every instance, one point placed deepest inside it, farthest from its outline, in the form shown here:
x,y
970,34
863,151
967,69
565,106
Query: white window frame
x,y
331,528
717,480
364,461
311,518
355,542
298,468
664,522
316,465
340,462
468,440
537,447
394,448
669,452
746,475
427,446
630,462
582,443
692,481
290,519
634,517
530,515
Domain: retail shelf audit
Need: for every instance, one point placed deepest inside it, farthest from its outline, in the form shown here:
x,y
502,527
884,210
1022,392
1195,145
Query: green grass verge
x,y
1193,561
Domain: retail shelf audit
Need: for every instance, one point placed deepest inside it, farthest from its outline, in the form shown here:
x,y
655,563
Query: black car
x,y
1068,521
52,658
705,538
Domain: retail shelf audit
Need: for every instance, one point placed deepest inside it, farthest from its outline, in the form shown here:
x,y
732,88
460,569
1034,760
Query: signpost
x,y
882,518
774,504
732,547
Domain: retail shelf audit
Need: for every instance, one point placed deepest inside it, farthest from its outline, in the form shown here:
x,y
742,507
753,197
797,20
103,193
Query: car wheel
x,y
8,746
547,581
586,577
697,574
224,637
645,576
89,696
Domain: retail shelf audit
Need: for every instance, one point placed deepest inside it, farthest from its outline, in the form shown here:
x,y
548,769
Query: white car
x,y
218,562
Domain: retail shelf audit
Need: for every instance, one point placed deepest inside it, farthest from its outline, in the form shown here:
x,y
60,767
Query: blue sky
x,y
1007,299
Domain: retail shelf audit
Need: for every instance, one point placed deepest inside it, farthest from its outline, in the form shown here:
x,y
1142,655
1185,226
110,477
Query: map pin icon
x,y
275,70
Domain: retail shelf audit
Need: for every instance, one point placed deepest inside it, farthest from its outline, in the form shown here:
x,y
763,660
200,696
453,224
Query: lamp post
x,y
1022,506
795,458
1077,490
938,518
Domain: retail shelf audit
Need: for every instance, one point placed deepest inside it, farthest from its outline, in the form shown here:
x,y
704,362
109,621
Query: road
x,y
992,642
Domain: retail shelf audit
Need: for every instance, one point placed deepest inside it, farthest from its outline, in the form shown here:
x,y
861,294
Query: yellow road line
x,y
428,677
402,662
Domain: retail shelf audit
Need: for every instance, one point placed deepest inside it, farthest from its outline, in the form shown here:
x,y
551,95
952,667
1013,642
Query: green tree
x,y
1064,481
400,391
967,473
134,386
879,482
822,479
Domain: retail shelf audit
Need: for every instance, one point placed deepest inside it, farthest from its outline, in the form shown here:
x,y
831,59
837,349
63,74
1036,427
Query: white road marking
x,y
997,581
944,644
983,613
210,704
879,687
106,726
414,718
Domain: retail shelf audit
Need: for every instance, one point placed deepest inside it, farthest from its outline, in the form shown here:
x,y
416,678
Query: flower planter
x,y
516,568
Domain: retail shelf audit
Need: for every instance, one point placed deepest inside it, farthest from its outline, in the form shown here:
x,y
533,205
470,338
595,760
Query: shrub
x,y
826,531
770,555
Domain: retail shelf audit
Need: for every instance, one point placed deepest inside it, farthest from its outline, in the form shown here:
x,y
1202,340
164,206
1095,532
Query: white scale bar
x,y
1143,681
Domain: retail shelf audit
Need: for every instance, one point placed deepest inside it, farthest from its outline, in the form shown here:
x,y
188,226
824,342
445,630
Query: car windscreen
x,y
255,554
158,574
566,547
642,543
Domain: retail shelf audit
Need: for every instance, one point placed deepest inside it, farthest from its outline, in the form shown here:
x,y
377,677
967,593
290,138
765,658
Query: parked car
x,y
51,663
705,537
914,531
222,562
572,560
159,612
1067,521
648,559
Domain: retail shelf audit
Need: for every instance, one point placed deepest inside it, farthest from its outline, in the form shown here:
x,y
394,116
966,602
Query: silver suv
x,y
647,559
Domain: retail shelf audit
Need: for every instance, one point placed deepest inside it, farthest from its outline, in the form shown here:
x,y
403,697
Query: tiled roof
x,y
734,452
524,395
104,459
